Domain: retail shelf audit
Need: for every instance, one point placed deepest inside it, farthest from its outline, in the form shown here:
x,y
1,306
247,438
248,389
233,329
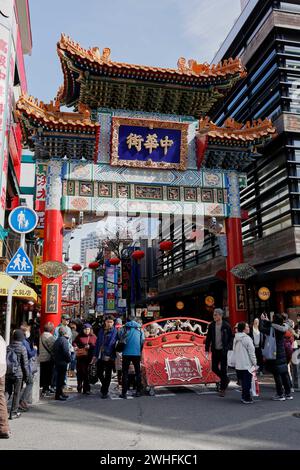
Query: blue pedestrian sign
x,y
23,219
20,265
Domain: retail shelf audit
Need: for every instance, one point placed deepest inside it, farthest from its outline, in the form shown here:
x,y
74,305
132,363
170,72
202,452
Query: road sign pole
x,y
10,296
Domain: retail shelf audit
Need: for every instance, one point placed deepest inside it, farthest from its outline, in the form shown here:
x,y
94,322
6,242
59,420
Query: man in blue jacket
x,y
105,354
133,337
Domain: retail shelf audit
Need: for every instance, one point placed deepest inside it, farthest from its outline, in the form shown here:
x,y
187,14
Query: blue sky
x,y
150,32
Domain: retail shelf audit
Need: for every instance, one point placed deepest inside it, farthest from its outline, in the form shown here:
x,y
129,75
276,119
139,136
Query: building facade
x,y
89,247
268,43
266,39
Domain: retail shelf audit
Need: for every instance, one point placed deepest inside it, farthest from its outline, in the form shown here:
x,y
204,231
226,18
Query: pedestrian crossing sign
x,y
20,264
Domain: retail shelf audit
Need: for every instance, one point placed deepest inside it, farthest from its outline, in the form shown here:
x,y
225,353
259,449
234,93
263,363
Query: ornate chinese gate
x,y
139,142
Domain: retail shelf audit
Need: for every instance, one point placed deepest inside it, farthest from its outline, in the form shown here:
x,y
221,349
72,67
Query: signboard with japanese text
x,y
109,292
175,357
51,298
241,297
40,184
36,263
183,368
149,143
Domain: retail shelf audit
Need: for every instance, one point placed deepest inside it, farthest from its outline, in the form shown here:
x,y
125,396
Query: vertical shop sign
x,y
51,298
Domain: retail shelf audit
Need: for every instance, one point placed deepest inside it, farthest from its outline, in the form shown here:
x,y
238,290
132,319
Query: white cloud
x,y
206,23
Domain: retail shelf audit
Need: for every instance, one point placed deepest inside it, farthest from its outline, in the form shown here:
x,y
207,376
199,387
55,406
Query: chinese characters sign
x,y
183,368
51,298
241,297
145,143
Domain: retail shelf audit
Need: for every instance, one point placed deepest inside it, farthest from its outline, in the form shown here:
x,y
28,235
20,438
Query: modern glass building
x,y
266,38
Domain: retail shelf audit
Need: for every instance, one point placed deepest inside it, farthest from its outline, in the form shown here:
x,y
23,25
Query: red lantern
x,y
94,265
166,246
114,261
76,267
138,255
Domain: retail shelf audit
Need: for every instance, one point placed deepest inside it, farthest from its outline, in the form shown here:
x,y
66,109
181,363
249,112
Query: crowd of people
x,y
96,350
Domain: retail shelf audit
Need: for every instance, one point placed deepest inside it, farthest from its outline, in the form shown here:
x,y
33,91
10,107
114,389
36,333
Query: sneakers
x,y
289,397
4,435
222,393
278,398
15,415
124,396
247,402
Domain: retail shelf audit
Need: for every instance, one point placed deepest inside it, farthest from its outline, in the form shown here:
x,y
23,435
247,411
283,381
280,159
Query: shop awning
x,y
21,291
291,265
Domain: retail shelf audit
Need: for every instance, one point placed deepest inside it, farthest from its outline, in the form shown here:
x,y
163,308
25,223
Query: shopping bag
x,y
254,385
231,359
269,349
93,377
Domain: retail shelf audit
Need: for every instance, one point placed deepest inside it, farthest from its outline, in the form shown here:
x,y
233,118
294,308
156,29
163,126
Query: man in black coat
x,y
13,383
62,357
219,339
278,367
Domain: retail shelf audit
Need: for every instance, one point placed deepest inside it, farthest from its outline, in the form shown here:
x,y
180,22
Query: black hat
x,y
18,335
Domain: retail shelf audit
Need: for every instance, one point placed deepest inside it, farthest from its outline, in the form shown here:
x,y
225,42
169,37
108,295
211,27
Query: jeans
x,y
3,408
61,370
246,379
104,371
282,381
72,365
14,389
219,366
136,361
26,394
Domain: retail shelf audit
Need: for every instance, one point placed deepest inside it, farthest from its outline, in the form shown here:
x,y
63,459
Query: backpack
x,y
12,363
122,341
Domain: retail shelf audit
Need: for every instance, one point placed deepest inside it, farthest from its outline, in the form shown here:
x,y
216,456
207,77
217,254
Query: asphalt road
x,y
182,418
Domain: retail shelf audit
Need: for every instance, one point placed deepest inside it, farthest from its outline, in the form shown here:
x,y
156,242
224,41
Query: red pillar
x,y
53,246
234,257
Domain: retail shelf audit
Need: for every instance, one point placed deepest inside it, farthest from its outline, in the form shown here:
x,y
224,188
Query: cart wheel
x,y
151,391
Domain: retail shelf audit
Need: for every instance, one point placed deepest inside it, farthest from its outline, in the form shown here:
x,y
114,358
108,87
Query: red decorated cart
x,y
174,353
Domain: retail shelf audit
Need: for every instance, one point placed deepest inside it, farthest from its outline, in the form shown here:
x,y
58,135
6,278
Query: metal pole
x,y
9,298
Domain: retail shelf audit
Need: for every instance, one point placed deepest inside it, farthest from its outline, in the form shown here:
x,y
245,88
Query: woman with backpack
x,y
17,371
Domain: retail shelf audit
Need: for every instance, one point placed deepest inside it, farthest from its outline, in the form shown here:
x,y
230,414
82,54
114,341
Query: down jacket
x,y
20,350
244,352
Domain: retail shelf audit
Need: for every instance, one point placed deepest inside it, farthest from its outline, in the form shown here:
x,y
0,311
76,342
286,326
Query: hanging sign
x,y
51,298
180,305
240,296
209,301
264,294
